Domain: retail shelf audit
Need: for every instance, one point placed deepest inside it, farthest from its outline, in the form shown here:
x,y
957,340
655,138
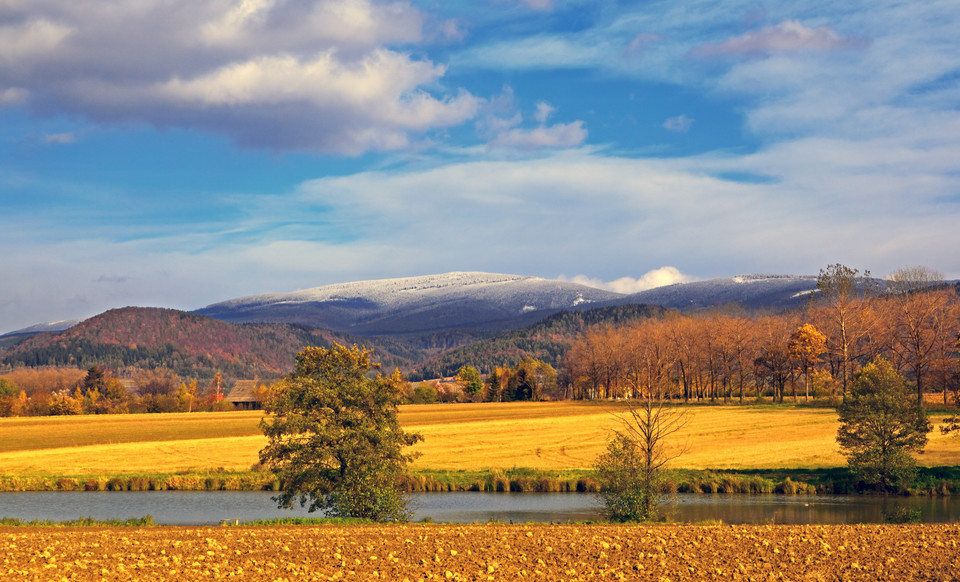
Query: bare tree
x,y
843,294
630,471
918,322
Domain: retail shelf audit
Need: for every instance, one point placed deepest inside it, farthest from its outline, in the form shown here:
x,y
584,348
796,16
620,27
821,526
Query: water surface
x,y
213,507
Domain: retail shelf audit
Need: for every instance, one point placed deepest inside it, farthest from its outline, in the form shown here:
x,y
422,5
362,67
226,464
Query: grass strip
x,y
930,481
144,521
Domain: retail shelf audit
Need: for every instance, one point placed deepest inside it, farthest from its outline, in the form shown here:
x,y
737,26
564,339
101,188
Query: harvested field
x,y
538,435
484,552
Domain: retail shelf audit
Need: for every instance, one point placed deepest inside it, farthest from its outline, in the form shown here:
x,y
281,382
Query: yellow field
x,y
562,435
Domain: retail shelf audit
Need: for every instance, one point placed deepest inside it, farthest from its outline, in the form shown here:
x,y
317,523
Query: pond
x,y
211,508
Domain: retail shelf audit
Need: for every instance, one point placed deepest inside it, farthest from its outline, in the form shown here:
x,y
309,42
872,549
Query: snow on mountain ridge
x,y
761,277
393,293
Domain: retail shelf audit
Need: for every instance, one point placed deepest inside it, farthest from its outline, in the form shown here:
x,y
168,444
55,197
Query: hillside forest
x,y
724,354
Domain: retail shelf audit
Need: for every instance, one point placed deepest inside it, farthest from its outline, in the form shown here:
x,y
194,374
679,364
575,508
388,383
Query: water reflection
x,y
198,508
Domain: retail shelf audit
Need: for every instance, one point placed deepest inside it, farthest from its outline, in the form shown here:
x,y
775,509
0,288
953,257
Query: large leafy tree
x,y
880,425
334,440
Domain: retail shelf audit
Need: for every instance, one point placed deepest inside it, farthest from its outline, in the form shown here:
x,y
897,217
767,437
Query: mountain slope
x,y
416,304
774,292
546,340
189,344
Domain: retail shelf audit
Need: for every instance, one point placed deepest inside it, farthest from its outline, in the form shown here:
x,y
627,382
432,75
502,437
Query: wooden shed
x,y
244,396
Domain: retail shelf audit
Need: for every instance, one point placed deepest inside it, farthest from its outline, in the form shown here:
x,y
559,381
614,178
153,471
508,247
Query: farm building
x,y
245,396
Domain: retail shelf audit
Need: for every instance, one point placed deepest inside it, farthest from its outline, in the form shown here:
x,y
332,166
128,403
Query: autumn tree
x,y
497,381
773,358
533,380
13,400
187,396
334,441
880,426
919,321
102,392
842,295
806,346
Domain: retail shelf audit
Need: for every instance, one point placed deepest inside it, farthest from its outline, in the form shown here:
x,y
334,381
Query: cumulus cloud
x,y
788,36
679,124
628,285
282,75
33,39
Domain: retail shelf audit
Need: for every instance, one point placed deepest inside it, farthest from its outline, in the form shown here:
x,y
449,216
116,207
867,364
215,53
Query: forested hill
x,y
191,345
547,340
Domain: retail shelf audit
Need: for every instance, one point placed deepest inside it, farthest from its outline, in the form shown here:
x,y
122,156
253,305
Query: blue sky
x,y
182,152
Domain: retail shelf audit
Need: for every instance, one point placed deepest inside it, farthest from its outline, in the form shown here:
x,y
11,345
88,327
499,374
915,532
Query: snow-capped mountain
x,y
43,328
416,304
478,301
775,292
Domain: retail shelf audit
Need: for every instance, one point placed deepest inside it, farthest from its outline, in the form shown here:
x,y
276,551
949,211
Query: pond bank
x,y
931,481
217,507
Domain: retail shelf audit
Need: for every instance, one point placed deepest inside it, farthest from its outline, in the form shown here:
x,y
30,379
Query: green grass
x,y
82,522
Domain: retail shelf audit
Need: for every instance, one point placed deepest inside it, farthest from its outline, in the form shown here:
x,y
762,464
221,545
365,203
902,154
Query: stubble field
x,y
484,552
544,435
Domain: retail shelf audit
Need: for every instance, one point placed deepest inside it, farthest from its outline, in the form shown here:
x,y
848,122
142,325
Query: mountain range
x,y
409,321
486,301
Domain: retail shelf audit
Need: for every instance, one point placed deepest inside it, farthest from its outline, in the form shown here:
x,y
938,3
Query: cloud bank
x,y
328,76
628,285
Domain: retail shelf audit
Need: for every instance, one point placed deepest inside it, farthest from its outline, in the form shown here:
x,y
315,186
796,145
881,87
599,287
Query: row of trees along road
x,y
911,319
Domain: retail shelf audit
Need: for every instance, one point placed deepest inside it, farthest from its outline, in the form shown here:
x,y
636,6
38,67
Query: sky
x,y
177,153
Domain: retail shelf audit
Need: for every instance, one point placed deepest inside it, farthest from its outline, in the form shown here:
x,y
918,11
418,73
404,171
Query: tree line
x,y
64,391
910,319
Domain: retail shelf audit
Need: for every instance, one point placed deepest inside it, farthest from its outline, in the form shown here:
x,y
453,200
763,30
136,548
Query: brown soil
x,y
484,552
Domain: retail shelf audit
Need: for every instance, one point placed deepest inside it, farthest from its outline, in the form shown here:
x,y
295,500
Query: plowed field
x,y
484,552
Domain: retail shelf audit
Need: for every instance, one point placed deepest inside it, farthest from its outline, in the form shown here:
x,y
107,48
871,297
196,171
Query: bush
x,y
901,514
424,394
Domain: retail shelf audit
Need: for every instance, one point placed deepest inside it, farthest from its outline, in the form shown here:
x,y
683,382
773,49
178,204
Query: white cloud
x,y
501,126
563,211
281,75
543,51
629,285
34,39
560,135
544,111
679,124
